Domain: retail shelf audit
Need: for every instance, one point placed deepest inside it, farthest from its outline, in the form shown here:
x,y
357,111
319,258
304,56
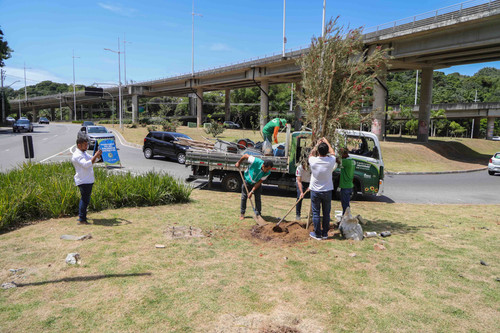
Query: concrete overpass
x,y
474,111
461,34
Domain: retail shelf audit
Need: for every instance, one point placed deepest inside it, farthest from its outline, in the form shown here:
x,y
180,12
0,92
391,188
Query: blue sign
x,y
109,152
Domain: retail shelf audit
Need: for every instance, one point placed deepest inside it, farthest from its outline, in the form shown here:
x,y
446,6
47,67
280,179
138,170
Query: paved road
x,y
55,142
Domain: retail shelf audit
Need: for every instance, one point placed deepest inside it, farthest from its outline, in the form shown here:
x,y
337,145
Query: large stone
x,y
73,259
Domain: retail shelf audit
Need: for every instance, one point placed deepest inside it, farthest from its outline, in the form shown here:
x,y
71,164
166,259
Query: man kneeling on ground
x,y
254,175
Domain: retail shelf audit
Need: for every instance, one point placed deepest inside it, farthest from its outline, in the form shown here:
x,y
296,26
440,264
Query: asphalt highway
x,y
56,142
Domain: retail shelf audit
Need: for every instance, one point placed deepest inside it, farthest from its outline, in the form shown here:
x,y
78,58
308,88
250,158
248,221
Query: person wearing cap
x,y
84,177
270,131
257,171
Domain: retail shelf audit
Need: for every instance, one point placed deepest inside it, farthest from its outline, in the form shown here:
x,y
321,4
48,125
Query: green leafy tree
x,y
5,50
412,126
456,129
336,73
215,129
438,121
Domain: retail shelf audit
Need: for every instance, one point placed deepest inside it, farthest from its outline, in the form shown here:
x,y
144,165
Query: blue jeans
x,y
85,191
345,198
321,200
244,197
298,208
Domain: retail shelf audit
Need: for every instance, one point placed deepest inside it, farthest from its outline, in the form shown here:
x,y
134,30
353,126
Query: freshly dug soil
x,y
292,232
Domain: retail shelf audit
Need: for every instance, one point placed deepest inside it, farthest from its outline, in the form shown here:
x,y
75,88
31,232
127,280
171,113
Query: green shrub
x,y
215,128
170,126
41,191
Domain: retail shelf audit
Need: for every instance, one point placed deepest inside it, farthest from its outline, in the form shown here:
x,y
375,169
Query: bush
x,y
151,128
215,128
170,126
42,191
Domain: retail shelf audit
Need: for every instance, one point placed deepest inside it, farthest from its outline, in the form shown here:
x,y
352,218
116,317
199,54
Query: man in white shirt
x,y
84,177
321,186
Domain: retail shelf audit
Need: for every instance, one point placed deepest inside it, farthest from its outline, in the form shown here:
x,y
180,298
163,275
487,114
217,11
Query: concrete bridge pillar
x,y
135,108
199,107
192,105
52,114
424,113
490,128
90,112
227,104
476,128
264,103
35,115
378,122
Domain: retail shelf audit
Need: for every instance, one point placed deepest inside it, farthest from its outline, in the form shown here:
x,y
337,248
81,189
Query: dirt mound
x,y
292,232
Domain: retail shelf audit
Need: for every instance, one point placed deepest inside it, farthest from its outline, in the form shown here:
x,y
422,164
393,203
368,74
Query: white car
x,y
494,165
496,138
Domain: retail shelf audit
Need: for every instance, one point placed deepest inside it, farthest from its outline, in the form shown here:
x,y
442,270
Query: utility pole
x,y
119,82
74,87
416,88
2,77
323,26
125,59
284,20
25,90
192,39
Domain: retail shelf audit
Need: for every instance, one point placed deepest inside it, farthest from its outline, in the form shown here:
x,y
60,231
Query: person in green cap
x,y
346,180
272,128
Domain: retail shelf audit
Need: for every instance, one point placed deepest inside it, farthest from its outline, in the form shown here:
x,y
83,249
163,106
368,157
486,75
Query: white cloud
x,y
118,9
33,76
219,47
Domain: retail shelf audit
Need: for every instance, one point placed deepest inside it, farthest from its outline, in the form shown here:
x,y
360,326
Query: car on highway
x,y
22,125
230,124
494,164
43,120
10,120
88,123
95,133
496,138
165,144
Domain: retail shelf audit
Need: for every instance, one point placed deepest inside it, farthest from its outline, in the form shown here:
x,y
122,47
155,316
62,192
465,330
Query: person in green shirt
x,y
346,180
257,171
272,128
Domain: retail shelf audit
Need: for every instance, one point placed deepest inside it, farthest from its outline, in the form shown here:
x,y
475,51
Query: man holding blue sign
x,y
109,152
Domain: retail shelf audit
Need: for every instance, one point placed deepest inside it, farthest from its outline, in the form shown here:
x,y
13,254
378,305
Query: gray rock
x,y
73,259
9,285
73,238
484,263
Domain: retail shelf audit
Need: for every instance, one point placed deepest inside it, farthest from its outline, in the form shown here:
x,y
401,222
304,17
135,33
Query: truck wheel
x,y
181,158
148,153
232,182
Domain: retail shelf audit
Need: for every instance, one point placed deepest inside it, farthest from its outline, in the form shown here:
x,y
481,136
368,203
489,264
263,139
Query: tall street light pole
x,y
25,90
119,83
284,19
74,87
125,59
323,26
192,39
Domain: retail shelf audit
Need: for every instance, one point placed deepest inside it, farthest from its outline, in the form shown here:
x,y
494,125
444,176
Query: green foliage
x,y
5,50
336,73
152,128
412,126
216,128
170,126
41,191
456,129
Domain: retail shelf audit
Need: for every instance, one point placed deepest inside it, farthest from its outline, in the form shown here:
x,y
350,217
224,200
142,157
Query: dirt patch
x,y
292,232
182,231
280,321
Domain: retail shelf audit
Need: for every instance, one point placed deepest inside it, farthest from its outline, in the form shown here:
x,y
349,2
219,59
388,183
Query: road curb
x,y
125,142
435,172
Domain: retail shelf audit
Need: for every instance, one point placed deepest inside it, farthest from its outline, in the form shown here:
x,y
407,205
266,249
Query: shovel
x,y
260,221
277,227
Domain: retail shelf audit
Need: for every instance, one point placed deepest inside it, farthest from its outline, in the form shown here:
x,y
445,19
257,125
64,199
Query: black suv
x,y
165,144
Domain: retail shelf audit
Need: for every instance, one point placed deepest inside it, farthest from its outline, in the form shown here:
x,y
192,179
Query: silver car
x,y
96,132
494,165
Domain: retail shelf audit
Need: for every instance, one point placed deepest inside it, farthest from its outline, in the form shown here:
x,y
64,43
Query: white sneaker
x,y
297,218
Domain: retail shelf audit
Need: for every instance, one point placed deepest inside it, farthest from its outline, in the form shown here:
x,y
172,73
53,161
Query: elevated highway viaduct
x,y
465,33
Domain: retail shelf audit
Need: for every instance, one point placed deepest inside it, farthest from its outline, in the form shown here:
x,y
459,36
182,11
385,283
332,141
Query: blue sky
x,y
43,34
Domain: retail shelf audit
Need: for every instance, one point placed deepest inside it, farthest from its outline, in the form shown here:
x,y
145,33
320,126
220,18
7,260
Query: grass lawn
x,y
400,154
429,278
